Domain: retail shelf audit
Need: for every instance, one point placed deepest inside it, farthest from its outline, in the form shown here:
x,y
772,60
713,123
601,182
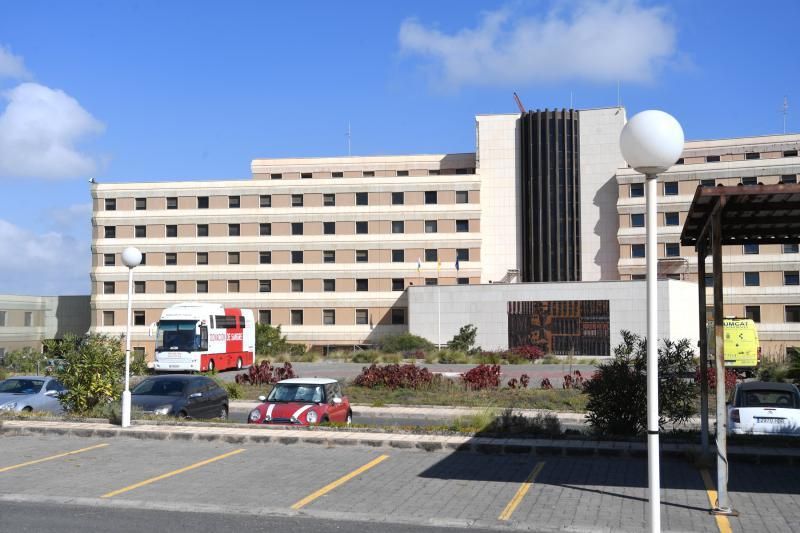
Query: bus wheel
x,y
239,364
211,365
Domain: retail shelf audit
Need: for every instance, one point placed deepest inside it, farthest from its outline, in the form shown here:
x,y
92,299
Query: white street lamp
x,y
651,142
131,257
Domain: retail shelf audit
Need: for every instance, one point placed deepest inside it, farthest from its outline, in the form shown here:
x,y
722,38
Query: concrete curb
x,y
428,443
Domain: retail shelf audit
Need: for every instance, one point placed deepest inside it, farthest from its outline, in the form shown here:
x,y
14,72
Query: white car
x,y
762,408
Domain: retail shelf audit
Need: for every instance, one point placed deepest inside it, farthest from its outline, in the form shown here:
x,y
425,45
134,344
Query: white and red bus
x,y
204,337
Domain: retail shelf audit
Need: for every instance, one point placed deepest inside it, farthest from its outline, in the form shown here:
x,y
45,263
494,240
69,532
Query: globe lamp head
x,y
651,141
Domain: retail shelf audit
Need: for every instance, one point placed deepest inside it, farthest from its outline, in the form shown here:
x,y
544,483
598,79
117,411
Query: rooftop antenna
x,y
570,100
619,98
519,104
785,112
349,139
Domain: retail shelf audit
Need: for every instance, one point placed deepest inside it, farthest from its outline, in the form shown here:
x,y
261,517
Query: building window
x,y
233,258
276,176
170,287
791,277
402,173
202,258
362,227
752,279
712,159
28,319
172,230
328,317
202,202
329,228
434,172
362,198
202,286
753,312
465,171
172,202
671,188
398,284
2,318
362,285
297,200
672,249
110,232
141,204
265,229
789,178
749,180
234,202
679,161
431,197
265,285
109,287
462,226
398,316
398,198
109,260
637,220
297,285
790,153
265,200
752,155
202,230
111,204
264,316
398,226
463,281
297,256
329,256
462,197
791,248
707,183
638,277
233,285
264,258
171,258
750,249
637,250
337,174
297,228
792,313
305,175
637,190
462,254
362,256
234,230
431,281
672,219
676,277
431,254
297,317
431,226
329,285
368,173
108,318
329,200
139,287
362,317
138,318
140,232
709,280
398,256
144,259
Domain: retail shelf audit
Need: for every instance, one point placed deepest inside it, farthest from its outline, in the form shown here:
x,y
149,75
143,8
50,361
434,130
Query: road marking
x,y
521,492
170,474
723,524
344,479
37,461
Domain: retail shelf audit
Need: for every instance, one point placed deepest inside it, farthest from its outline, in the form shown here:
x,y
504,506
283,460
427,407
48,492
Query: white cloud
x,y
11,66
42,264
38,132
616,40
73,216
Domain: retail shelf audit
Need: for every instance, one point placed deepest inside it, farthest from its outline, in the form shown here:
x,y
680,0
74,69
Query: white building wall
x,y
485,306
498,169
600,158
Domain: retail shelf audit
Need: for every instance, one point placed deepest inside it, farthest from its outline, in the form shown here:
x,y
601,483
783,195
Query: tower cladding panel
x,y
550,219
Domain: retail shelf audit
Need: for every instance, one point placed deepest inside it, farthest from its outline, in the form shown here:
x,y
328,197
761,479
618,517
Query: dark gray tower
x,y
551,242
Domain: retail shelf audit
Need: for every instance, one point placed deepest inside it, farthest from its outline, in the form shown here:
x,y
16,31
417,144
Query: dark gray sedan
x,y
183,396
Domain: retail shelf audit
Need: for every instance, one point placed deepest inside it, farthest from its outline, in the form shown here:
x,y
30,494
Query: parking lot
x,y
354,483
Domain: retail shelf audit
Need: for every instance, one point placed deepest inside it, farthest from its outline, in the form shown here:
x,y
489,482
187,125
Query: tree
x,y
618,391
404,342
25,361
464,340
270,340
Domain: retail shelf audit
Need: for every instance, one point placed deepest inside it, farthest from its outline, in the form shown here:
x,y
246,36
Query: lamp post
x,y
131,257
651,142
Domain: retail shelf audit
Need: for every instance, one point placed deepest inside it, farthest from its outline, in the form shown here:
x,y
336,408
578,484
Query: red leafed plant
x,y
522,383
531,353
482,377
545,384
265,373
395,376
730,378
574,380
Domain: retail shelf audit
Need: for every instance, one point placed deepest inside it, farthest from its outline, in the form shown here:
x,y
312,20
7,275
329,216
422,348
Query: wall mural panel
x,y
580,327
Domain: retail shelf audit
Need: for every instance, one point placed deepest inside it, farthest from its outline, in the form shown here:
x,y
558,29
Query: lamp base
x,y
126,408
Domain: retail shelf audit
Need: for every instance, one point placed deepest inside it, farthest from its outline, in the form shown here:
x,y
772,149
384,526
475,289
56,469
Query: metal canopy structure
x,y
732,215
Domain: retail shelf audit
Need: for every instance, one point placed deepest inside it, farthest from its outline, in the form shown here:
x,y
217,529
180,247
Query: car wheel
x,y
223,413
239,364
349,419
27,409
211,365
183,414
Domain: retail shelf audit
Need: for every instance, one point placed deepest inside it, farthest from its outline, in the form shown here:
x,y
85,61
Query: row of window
x,y
371,173
670,219
748,156
791,313
27,320
297,257
673,249
265,200
670,188
265,285
297,228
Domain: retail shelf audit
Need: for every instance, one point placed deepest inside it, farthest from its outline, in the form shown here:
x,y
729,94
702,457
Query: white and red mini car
x,y
303,402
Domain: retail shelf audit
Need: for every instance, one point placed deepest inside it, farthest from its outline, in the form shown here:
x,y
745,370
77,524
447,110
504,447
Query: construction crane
x,y
519,104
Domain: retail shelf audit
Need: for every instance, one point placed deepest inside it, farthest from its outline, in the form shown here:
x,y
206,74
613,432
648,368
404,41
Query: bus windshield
x,y
177,335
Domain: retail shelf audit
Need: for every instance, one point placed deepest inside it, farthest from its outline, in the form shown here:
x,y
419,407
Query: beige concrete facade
x,y
25,321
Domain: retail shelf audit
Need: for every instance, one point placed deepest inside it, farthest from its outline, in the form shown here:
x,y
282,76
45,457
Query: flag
x,y
457,265
419,265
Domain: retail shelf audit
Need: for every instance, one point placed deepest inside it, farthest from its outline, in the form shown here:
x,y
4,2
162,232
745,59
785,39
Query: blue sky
x,y
151,90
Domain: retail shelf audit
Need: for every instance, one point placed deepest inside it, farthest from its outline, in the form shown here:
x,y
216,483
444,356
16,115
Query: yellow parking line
x,y
344,479
723,524
170,474
521,492
43,459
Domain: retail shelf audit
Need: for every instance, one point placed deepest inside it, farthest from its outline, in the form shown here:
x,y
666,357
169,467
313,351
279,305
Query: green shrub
x,y
25,361
366,356
404,342
270,340
452,356
464,340
793,371
3,373
431,357
490,358
234,390
772,371
550,360
392,358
